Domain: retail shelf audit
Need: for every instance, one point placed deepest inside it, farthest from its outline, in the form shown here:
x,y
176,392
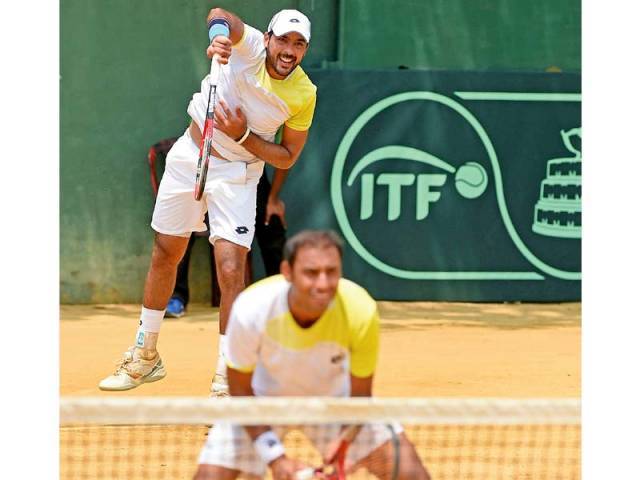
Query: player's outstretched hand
x,y
221,46
285,468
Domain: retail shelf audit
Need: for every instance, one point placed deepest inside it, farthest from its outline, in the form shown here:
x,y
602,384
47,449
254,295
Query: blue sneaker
x,y
175,308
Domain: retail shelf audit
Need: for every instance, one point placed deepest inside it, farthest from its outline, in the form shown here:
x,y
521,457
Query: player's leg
x,y
230,265
168,250
142,363
180,296
381,462
227,452
409,466
230,261
215,472
175,216
231,201
386,452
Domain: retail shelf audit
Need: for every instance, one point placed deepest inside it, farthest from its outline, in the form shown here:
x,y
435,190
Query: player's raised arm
x,y
225,30
236,25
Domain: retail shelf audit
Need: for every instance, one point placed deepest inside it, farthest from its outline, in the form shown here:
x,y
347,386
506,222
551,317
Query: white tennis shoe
x,y
133,370
219,386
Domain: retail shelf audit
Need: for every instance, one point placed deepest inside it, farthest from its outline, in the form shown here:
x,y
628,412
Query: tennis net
x,y
160,438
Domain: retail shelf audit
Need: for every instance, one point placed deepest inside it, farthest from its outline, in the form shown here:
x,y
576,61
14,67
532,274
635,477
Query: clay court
x,y
427,349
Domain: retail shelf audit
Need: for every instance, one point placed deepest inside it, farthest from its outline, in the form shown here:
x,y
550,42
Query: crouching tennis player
x,y
307,332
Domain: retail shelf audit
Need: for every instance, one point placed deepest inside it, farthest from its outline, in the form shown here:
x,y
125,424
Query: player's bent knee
x,y
231,282
201,474
232,270
411,470
213,472
411,467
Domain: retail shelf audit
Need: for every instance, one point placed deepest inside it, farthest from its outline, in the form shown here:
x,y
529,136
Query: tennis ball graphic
x,y
471,180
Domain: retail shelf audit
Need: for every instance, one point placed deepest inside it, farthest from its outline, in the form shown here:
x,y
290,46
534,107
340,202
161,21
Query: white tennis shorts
x,y
229,196
228,445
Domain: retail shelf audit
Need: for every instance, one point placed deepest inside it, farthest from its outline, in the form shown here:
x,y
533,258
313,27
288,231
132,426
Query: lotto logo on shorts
x,y
242,230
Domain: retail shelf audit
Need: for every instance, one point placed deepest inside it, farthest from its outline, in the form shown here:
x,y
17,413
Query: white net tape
x,y
305,410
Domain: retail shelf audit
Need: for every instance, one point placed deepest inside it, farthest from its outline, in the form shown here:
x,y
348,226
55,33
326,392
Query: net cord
x,y
317,410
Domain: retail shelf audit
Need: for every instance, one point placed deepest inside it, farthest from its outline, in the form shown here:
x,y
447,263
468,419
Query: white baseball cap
x,y
286,21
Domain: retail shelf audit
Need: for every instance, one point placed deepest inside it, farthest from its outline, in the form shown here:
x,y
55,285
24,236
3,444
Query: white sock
x,y
150,322
221,369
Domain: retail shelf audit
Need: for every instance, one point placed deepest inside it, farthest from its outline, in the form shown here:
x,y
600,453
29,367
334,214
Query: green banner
x,y
445,185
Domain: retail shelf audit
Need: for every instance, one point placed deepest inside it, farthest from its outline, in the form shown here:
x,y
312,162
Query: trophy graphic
x,y
558,212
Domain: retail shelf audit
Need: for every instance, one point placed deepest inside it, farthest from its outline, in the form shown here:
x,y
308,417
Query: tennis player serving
x,y
307,332
260,88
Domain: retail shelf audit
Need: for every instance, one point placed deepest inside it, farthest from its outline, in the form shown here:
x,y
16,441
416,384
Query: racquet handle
x,y
214,74
306,474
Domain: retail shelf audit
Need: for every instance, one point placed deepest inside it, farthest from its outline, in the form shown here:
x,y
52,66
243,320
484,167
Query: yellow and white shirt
x,y
267,103
286,359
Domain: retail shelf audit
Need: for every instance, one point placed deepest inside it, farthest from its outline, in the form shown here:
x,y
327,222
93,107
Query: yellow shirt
x,y
286,359
267,103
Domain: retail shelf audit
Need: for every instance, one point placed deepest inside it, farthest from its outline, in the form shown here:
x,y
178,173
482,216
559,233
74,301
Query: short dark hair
x,y
311,238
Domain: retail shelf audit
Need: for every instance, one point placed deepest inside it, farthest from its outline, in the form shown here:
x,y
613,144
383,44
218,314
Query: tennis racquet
x,y
207,135
334,467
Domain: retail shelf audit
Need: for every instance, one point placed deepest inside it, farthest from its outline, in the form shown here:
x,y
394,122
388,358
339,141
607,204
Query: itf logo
x,y
470,180
416,181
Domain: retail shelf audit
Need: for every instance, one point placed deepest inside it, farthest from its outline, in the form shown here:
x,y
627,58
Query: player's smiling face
x,y
314,278
284,53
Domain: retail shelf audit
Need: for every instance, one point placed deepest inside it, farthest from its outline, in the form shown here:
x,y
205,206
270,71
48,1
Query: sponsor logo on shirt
x,y
337,358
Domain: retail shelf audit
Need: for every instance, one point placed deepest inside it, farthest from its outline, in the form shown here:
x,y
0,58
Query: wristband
x,y
243,137
218,26
268,446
